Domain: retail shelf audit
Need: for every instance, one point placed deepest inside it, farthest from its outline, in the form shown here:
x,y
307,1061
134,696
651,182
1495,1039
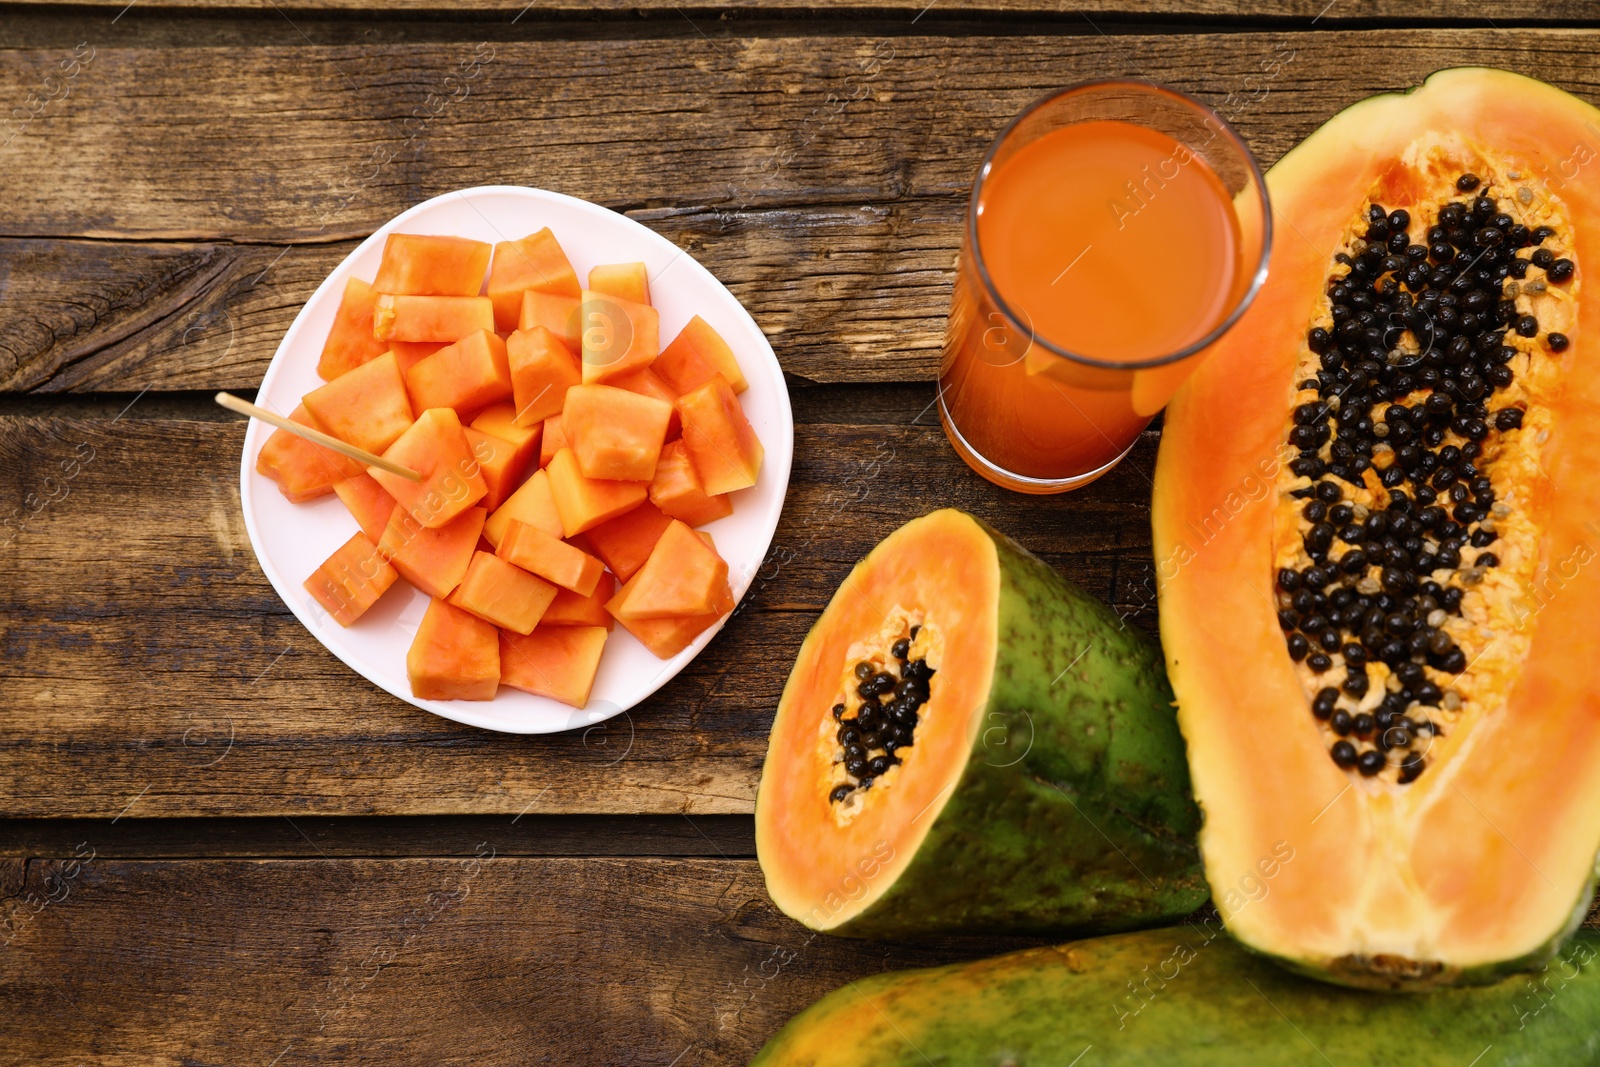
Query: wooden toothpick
x,y
244,407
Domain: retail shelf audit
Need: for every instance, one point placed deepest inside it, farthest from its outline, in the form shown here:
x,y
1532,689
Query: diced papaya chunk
x,y
428,265
366,407
455,656
625,542
465,376
695,355
667,637
350,343
551,558
532,503
409,353
351,580
536,262
303,471
683,577
505,595
647,382
724,449
626,280
500,462
555,439
542,370
368,501
435,447
431,318
500,420
583,502
556,313
570,609
433,560
615,434
618,336
678,492
559,662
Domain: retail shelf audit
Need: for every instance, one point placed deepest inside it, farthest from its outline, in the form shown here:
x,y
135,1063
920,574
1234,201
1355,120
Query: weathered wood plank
x,y
486,960
835,219
137,634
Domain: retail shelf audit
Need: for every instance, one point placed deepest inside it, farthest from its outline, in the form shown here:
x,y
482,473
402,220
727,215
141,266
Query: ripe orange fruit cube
x,y
351,580
350,342
624,543
433,560
435,446
555,312
627,280
583,502
429,265
465,375
409,353
536,262
570,609
303,471
368,501
669,636
455,656
498,592
678,492
697,353
501,421
430,318
500,462
532,503
537,552
683,577
555,439
615,434
559,662
724,449
647,382
618,336
366,407
542,370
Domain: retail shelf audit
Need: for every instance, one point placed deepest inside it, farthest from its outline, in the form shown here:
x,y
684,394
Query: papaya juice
x,y
1109,240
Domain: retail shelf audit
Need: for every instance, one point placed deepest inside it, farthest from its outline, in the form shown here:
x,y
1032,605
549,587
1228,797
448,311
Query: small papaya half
x,y
968,742
1374,525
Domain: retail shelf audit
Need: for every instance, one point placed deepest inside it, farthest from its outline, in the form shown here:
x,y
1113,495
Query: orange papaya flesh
x,y
351,580
368,502
431,318
1025,770
555,439
433,560
571,609
722,445
647,382
506,595
409,353
436,447
678,492
455,656
303,471
500,463
559,662
625,542
366,406
666,637
554,312
350,342
543,368
615,434
532,503
583,502
536,262
432,265
551,558
629,281
500,420
683,576
618,337
467,375
695,355
1437,772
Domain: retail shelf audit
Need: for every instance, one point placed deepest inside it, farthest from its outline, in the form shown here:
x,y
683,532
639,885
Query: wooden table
x,y
219,844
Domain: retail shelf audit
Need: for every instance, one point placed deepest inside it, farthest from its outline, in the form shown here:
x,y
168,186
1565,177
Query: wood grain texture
x,y
822,178
146,665
465,961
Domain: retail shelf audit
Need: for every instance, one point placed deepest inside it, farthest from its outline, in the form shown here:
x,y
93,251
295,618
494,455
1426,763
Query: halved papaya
x,y
968,742
1374,510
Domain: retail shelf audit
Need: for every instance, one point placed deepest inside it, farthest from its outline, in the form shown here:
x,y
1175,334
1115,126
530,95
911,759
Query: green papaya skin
x,y
1189,996
1073,813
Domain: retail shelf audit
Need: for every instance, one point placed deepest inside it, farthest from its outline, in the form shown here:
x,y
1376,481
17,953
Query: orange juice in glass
x,y
1116,229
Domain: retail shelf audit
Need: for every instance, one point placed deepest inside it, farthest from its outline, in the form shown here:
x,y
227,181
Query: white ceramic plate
x,y
292,540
